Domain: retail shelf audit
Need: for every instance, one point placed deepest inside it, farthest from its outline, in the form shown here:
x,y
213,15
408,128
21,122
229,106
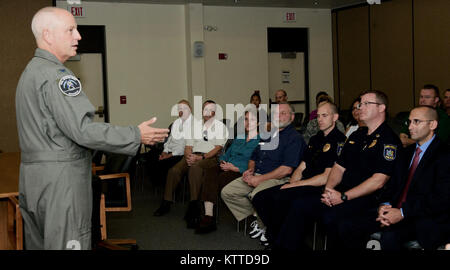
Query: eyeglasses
x,y
366,103
205,136
416,122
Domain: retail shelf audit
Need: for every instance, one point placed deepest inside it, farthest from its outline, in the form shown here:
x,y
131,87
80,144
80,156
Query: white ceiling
x,y
250,3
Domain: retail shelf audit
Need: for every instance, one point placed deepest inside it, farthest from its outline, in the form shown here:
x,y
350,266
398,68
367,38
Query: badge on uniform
x,y
373,143
326,147
70,85
339,148
389,152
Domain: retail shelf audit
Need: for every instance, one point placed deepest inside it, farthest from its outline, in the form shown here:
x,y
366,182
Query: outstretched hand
x,y
151,135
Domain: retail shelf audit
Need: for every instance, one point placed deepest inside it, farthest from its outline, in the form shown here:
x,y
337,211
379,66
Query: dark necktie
x,y
412,169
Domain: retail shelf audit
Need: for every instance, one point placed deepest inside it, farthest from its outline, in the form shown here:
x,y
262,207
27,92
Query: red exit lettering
x,y
77,11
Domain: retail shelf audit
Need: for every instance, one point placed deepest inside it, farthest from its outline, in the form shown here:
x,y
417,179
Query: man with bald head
x,y
418,200
56,131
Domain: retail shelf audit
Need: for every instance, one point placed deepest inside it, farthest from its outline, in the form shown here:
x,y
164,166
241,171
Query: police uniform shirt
x,y
364,155
289,151
322,152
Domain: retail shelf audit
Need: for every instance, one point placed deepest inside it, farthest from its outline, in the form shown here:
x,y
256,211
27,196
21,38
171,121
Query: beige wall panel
x,y
353,53
17,48
392,52
431,44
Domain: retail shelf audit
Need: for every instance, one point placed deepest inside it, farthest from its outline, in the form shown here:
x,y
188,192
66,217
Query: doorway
x,y
288,66
89,65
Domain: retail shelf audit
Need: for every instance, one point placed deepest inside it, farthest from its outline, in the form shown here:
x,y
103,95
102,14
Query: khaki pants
x,y
237,195
195,175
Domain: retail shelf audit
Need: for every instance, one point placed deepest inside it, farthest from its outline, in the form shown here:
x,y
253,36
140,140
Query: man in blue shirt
x,y
271,164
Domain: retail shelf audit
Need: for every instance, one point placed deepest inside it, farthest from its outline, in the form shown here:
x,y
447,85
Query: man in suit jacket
x,y
418,206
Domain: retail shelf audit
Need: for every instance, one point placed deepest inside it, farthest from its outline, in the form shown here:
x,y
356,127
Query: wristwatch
x,y
344,197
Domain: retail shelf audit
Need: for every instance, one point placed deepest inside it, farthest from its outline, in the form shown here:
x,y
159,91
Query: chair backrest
x,y
298,119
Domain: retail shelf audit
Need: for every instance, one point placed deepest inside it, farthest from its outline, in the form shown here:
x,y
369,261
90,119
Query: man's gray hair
x,y
290,106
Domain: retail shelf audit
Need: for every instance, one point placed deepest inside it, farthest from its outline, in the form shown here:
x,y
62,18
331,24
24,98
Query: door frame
x,y
94,41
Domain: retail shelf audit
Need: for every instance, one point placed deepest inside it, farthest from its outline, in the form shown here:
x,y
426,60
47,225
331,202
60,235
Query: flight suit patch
x,y
70,86
390,152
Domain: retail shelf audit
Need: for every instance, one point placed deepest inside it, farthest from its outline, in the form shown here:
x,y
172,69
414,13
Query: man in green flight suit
x,y
56,131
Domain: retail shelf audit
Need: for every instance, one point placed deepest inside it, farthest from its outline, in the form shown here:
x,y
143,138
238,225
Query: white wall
x,y
148,59
242,33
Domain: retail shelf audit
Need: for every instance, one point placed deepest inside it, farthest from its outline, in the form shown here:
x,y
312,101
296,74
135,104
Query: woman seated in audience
x,y
231,166
354,122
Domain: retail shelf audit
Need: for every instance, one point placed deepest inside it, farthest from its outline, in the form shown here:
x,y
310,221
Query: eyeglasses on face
x,y
366,103
416,122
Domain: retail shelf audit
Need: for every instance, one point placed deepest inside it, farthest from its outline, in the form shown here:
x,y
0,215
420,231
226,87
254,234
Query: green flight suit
x,y
56,131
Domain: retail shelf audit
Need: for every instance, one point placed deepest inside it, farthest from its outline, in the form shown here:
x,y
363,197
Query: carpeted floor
x,y
169,232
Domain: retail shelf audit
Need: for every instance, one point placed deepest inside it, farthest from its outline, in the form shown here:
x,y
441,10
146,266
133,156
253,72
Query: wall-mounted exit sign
x,y
77,11
290,16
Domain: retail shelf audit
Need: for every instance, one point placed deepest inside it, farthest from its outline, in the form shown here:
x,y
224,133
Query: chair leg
x,y
314,235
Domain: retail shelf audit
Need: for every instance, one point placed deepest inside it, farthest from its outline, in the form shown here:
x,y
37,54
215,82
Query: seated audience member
x,y
262,115
280,96
271,163
309,178
174,146
313,127
447,101
200,152
418,200
354,122
321,96
353,186
232,164
429,96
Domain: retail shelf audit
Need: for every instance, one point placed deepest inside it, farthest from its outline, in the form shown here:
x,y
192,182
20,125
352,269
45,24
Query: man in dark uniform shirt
x,y
272,204
355,181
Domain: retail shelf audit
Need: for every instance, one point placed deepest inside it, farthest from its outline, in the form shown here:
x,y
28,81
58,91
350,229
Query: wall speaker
x,y
199,48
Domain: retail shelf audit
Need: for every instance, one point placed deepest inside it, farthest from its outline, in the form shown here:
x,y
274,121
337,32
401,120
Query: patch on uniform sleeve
x,y
339,148
70,85
389,152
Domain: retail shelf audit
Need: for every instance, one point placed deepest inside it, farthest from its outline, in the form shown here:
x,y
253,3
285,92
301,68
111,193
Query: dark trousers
x,y
214,180
161,168
195,176
426,231
273,205
306,209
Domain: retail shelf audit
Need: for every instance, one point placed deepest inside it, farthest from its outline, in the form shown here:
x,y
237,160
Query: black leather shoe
x,y
163,209
192,222
206,225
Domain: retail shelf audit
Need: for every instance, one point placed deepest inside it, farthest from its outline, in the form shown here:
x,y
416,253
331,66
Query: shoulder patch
x,y
70,85
390,152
